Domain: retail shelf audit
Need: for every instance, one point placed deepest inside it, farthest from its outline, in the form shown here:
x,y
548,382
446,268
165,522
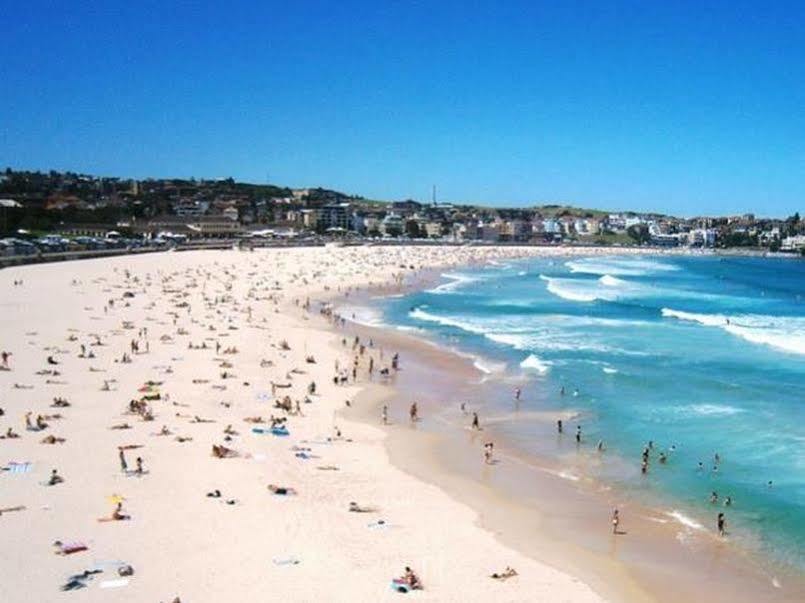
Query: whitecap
x,y
785,333
686,521
534,363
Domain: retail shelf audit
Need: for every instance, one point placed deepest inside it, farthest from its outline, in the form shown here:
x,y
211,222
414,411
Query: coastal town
x,y
62,211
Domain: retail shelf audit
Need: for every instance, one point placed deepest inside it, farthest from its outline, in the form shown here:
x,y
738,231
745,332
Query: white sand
x,y
179,542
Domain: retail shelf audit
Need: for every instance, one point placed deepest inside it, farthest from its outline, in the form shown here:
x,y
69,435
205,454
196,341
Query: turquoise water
x,y
701,355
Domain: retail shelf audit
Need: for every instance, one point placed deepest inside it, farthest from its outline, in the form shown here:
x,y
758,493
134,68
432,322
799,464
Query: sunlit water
x,y
702,355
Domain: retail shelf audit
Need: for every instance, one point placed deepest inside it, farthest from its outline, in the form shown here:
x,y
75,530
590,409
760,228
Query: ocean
x,y
701,356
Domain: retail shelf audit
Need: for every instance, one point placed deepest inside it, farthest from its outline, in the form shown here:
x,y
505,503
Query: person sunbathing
x,y
60,403
51,439
183,439
121,426
214,494
356,508
222,452
411,579
69,548
281,490
230,431
10,434
507,573
11,509
55,478
197,419
254,420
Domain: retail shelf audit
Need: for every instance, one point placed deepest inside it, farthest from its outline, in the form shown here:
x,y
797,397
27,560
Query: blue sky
x,y
682,107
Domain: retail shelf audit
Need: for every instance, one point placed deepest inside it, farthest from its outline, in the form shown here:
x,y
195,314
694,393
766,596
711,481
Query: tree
x,y
412,229
638,233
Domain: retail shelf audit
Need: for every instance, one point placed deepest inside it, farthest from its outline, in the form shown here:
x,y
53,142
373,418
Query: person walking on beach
x,y
616,520
5,356
559,425
124,466
475,423
578,434
139,465
722,525
385,414
517,393
488,447
414,413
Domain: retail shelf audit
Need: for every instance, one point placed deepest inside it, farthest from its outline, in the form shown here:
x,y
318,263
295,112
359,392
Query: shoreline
x,y
180,542
255,301
740,574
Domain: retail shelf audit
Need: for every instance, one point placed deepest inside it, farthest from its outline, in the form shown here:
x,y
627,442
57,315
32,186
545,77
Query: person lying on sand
x,y
254,420
51,439
10,435
222,452
121,426
197,419
505,575
183,439
12,509
281,490
60,403
356,508
68,548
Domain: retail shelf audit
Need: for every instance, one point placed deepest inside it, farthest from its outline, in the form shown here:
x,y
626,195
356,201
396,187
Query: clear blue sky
x,y
683,107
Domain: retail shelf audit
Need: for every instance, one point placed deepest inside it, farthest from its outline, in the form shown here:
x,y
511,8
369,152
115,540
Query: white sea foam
x,y
609,370
785,333
619,266
534,363
487,367
455,281
363,315
704,410
606,288
464,325
685,520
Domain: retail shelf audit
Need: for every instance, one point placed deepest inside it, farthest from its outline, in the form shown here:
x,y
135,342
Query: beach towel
x,y
14,467
401,586
259,430
279,431
286,561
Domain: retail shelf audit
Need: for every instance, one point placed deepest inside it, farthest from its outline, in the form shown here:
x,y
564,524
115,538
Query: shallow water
x,y
700,355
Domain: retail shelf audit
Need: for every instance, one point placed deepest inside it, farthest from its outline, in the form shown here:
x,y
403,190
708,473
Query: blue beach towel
x,y
13,467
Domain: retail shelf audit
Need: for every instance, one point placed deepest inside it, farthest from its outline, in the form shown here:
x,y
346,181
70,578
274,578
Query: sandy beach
x,y
105,353
173,357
